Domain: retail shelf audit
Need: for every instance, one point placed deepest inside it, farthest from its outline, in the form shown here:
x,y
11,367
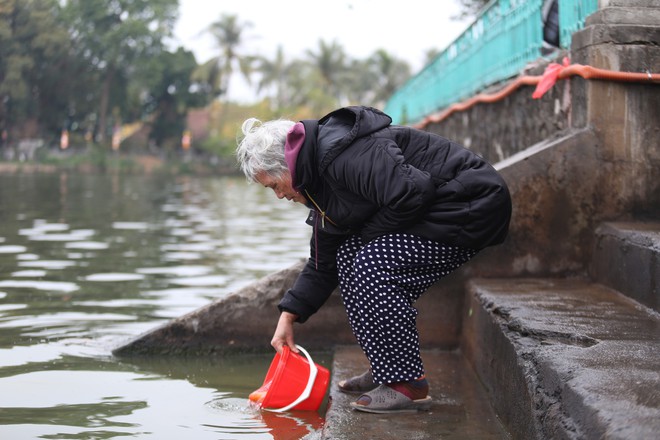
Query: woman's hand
x,y
284,332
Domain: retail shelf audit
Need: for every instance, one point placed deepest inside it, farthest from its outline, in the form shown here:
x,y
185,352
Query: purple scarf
x,y
294,141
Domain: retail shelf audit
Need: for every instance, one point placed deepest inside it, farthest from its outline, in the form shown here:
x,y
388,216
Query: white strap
x,y
308,388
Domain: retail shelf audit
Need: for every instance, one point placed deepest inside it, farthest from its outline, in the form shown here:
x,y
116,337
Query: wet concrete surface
x,y
579,359
460,406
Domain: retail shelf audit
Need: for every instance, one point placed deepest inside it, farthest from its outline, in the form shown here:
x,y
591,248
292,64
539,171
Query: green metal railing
x,y
572,15
506,36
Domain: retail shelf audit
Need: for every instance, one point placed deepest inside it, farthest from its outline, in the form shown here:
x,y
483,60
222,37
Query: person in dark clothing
x,y
551,35
393,210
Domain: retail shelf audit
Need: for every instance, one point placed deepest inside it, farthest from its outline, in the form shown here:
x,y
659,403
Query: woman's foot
x,y
358,384
396,398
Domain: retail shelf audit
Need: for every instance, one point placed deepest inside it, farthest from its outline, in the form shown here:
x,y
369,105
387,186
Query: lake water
x,y
87,262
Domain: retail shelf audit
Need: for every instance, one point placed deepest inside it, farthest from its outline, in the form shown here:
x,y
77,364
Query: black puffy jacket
x,y
367,177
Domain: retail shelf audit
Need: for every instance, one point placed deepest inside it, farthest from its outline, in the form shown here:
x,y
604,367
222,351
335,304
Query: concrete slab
x,y
565,358
460,407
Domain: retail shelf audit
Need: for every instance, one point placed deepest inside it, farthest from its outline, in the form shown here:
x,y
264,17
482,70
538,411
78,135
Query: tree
x,y
374,80
274,74
360,82
169,93
112,36
209,74
228,33
470,8
33,67
331,62
390,73
329,78
308,88
430,55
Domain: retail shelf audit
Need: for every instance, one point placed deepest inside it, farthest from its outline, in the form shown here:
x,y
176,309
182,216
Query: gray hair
x,y
262,147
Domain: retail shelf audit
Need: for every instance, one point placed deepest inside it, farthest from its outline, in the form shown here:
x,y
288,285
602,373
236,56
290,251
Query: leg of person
x,y
345,266
379,288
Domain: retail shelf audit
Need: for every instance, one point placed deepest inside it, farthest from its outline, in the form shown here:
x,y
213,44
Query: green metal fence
x,y
506,36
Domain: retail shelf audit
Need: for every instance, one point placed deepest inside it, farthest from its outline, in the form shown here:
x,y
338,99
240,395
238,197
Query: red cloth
x,y
549,78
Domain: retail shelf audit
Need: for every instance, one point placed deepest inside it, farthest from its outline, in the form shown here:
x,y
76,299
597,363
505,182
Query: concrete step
x,y
626,258
460,405
630,3
640,16
565,358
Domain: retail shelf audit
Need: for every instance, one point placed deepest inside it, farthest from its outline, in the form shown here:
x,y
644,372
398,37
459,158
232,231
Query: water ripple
x,y
134,226
212,280
88,245
12,249
29,273
176,270
110,277
60,286
48,264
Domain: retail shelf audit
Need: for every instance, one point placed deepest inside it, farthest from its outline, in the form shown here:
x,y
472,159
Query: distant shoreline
x,y
137,165
26,168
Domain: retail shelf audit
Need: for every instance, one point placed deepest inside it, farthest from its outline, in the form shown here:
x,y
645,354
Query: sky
x,y
406,29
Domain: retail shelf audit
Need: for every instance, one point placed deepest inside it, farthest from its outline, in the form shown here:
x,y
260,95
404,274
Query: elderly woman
x,y
393,210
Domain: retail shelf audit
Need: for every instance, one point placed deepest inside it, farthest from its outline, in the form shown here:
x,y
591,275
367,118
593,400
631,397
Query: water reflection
x,y
292,425
89,261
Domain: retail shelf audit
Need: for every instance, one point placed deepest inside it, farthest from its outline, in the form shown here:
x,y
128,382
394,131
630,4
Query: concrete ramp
x,y
241,321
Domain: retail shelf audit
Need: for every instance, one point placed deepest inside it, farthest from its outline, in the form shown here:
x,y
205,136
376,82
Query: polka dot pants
x,y
379,282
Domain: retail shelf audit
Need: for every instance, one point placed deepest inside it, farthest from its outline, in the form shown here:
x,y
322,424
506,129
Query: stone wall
x,y
500,129
625,116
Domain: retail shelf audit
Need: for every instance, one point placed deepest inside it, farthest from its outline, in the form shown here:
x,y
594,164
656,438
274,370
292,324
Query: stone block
x,y
626,257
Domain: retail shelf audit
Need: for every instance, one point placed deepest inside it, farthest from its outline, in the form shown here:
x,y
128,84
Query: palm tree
x,y
331,62
228,33
208,75
275,74
391,72
306,89
361,82
374,80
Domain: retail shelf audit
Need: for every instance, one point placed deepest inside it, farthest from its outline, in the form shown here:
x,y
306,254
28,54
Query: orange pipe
x,y
565,71
588,72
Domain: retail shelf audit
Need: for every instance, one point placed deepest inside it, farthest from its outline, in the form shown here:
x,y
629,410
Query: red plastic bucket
x,y
293,381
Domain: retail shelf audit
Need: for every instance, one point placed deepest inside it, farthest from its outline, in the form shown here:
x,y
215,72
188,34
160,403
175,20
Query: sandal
x,y
385,400
358,384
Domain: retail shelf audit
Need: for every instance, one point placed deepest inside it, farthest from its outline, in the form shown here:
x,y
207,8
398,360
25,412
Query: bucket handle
x,y
308,388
